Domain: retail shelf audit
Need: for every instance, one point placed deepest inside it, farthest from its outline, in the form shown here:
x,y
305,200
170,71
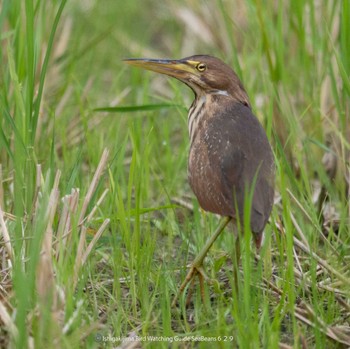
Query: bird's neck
x,y
202,107
196,114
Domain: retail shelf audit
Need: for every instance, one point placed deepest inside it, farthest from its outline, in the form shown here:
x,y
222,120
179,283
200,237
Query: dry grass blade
x,y
318,259
321,261
183,203
82,255
6,236
300,206
273,287
70,204
79,256
332,289
37,187
45,272
99,201
94,240
75,314
343,303
307,315
296,225
195,24
299,231
100,168
7,321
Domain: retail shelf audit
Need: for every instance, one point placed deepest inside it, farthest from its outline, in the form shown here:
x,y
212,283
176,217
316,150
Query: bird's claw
x,y
195,270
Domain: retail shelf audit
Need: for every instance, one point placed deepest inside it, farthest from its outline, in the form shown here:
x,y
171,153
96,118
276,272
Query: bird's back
x,y
229,155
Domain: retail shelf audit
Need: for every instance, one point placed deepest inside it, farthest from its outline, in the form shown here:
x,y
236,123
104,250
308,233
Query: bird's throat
x,y
195,114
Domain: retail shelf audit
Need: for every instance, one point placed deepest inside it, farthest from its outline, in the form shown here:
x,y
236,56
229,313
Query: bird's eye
x,y
201,67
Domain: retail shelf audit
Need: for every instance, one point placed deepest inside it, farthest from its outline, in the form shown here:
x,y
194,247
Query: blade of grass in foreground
x,y
44,68
136,108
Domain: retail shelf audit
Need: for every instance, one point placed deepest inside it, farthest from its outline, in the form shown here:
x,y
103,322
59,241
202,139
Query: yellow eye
x,y
201,67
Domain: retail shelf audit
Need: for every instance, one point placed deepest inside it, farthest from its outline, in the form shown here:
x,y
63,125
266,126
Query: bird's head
x,y
203,74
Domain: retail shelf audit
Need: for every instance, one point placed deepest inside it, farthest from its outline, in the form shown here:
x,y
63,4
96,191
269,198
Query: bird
x,y
230,155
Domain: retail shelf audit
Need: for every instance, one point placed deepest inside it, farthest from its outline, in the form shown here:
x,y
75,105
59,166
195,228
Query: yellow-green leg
x,y
196,267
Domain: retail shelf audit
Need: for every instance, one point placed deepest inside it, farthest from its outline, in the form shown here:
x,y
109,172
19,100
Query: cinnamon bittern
x,y
229,150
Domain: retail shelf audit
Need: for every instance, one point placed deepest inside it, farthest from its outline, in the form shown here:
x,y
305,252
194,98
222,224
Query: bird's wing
x,y
244,162
232,185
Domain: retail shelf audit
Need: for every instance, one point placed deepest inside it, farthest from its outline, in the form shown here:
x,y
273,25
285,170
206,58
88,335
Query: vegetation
x,y
97,220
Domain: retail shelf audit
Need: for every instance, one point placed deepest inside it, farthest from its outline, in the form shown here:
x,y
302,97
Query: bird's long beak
x,y
179,69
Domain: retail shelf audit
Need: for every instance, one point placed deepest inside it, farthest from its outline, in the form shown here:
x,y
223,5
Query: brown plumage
x,y
228,150
229,154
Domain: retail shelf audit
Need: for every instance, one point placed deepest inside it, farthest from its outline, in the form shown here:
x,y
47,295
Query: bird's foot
x,y
196,267
195,270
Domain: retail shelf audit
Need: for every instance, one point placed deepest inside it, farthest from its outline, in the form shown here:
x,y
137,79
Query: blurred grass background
x,y
95,243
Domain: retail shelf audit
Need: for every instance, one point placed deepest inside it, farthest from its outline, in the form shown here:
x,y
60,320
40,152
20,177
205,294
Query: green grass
x,y
85,256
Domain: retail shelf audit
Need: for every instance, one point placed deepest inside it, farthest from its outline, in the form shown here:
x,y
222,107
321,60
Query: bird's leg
x,y
196,267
